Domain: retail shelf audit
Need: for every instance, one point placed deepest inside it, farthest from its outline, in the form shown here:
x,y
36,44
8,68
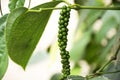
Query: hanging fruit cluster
x,y
62,40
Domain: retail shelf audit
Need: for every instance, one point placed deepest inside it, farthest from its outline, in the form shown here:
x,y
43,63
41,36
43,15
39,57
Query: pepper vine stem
x,y
100,71
29,4
78,7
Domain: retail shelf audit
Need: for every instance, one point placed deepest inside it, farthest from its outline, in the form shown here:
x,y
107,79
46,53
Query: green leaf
x,y
90,52
78,48
16,4
24,31
100,78
115,65
76,69
11,19
110,20
81,2
3,54
116,2
75,77
56,76
105,51
86,22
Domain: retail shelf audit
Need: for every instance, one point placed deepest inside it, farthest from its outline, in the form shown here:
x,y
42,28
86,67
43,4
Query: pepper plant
x,y
22,28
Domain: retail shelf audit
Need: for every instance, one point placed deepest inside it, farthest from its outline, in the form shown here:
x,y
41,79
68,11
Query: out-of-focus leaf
x,y
93,51
24,31
3,53
75,77
80,2
56,76
96,50
87,18
105,51
16,4
115,66
76,69
116,2
78,48
109,20
100,78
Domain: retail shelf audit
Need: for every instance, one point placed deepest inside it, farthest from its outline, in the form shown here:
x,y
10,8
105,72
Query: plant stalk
x,y
112,58
100,73
29,4
76,6
81,7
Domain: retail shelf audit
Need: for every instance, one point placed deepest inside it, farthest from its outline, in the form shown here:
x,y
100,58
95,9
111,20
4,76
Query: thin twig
x,y
1,9
29,4
112,58
101,73
103,67
82,7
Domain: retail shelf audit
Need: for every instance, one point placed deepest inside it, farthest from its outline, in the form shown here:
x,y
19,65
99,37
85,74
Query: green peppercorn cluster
x,y
62,40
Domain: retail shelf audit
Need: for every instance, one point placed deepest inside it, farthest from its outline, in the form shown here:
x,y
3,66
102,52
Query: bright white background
x,y
40,68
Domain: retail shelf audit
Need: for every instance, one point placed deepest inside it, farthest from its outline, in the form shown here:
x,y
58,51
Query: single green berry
x,y
66,19
63,29
60,35
64,33
65,23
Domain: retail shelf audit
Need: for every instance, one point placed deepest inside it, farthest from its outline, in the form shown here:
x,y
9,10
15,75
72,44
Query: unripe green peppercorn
x,y
63,29
60,35
62,40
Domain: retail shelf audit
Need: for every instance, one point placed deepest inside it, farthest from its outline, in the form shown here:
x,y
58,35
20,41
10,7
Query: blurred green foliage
x,y
95,45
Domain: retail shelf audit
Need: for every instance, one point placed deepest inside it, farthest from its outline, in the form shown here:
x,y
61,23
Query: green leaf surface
x,y
78,48
93,50
86,21
89,16
115,65
105,51
109,20
76,69
12,18
3,54
56,76
81,2
100,78
75,77
116,2
24,31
